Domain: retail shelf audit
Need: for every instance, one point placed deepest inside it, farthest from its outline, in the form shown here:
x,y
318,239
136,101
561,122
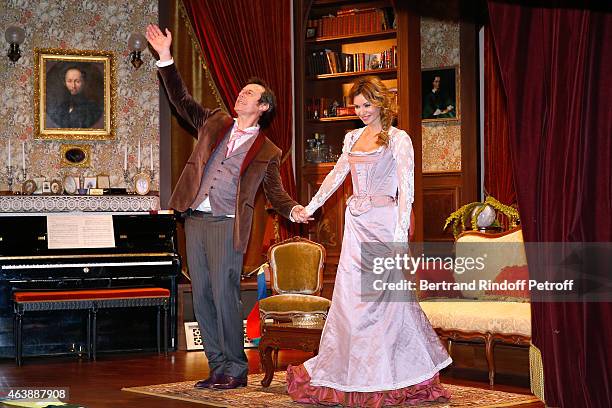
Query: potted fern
x,y
480,215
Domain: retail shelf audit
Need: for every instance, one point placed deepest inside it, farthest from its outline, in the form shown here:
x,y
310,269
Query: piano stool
x,y
90,300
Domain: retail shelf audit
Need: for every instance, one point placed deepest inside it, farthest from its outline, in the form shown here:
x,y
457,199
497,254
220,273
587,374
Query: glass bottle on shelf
x,y
310,150
323,149
317,149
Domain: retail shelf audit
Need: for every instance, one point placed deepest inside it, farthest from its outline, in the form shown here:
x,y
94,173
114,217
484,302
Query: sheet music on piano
x,y
80,231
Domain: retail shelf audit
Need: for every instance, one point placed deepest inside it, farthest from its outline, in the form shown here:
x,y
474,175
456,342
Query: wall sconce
x,y
14,36
136,43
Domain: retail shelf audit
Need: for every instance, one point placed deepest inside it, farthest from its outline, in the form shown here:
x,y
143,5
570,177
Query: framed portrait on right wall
x,y
439,94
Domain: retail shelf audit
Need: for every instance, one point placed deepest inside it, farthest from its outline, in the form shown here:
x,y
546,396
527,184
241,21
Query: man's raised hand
x,y
159,41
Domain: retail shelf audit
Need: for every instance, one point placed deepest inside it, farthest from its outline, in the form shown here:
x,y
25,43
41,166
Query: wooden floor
x,y
98,384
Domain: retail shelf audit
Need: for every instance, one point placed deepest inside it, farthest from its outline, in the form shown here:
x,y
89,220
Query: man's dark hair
x,y
75,67
267,96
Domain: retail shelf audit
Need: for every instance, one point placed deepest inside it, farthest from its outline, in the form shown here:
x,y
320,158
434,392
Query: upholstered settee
x,y
489,316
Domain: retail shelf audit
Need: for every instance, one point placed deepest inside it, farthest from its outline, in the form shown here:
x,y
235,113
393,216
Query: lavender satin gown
x,y
369,347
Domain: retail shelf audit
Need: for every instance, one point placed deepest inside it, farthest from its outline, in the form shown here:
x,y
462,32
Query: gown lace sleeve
x,y
403,153
334,178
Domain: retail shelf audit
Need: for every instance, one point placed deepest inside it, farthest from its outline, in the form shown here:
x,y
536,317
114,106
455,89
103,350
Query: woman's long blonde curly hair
x,y
375,92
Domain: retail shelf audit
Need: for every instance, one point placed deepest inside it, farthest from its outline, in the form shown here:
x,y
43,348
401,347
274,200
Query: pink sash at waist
x,y
358,205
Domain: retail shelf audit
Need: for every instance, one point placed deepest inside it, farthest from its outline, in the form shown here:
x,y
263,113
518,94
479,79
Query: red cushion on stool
x,y
89,294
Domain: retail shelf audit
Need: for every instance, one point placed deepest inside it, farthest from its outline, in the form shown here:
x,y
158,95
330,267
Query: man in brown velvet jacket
x,y
216,191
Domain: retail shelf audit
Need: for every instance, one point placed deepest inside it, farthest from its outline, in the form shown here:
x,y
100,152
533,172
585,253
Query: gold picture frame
x,y
75,94
103,181
142,184
75,155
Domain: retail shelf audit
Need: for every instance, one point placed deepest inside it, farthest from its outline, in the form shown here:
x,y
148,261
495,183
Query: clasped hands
x,y
300,215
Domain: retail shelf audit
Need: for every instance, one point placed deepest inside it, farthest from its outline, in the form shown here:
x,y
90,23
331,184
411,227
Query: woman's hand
x,y
299,214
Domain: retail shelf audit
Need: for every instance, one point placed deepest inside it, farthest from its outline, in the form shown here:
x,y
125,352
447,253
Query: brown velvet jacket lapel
x,y
255,148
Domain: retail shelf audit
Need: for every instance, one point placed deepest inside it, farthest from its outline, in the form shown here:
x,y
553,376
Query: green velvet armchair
x,y
296,279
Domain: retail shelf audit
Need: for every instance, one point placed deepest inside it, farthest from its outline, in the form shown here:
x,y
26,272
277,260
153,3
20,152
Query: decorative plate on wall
x,y
71,184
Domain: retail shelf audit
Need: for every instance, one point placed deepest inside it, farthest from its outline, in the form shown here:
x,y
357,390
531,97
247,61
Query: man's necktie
x,y
237,134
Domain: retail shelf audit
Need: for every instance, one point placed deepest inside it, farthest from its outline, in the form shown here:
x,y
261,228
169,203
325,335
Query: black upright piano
x,y
144,255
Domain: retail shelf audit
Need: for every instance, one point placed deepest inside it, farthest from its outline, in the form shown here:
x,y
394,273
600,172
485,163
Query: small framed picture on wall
x,y
311,32
103,181
439,93
89,182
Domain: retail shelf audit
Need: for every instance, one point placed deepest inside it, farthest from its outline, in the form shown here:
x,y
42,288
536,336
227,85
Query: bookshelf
x,y
343,41
337,42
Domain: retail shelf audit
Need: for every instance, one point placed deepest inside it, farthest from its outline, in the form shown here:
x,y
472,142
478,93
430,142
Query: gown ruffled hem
x,y
300,390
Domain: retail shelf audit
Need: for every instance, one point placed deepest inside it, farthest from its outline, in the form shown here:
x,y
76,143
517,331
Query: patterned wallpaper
x,y
441,139
84,25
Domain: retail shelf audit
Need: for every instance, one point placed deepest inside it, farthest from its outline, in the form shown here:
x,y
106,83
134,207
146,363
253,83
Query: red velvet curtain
x,y
245,38
555,67
498,177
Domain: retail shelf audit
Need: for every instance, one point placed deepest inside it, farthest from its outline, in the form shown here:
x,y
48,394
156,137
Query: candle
x,y
9,152
23,155
125,158
151,148
139,154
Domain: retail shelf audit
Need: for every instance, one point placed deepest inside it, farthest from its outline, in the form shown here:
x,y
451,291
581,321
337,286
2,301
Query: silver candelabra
x,y
11,174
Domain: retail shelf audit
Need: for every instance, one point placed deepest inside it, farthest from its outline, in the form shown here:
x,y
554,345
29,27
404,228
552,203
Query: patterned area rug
x,y
255,396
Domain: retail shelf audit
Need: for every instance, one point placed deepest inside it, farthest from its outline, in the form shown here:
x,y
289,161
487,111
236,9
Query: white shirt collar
x,y
253,129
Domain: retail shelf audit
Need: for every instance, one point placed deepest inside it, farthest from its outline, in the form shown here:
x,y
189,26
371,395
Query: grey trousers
x,y
215,269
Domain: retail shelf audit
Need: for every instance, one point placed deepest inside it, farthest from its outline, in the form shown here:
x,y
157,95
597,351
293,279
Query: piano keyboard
x,y
86,265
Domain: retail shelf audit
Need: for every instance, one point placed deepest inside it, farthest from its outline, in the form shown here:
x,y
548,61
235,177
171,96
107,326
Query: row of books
x,y
353,21
331,62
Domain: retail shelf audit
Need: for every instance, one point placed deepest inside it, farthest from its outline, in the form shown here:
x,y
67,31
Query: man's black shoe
x,y
215,378
230,383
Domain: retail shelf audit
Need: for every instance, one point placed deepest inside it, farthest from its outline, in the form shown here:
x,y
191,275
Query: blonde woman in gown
x,y
379,353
